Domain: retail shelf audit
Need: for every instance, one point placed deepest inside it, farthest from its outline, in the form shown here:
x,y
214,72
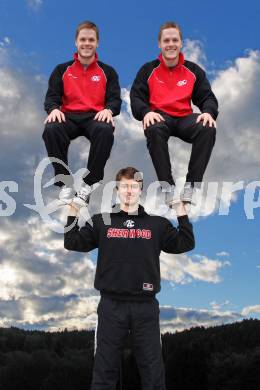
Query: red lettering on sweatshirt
x,y
129,233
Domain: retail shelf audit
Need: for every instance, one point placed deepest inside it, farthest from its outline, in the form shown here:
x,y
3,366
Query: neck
x,y
171,63
129,208
86,61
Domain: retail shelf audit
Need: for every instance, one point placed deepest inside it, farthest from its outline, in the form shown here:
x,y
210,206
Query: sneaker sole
x,y
80,202
188,200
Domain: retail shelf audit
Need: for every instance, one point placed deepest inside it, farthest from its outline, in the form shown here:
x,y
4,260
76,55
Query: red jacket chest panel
x,y
84,88
171,90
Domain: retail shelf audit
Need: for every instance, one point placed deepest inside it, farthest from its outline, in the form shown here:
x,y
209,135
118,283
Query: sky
x,y
43,286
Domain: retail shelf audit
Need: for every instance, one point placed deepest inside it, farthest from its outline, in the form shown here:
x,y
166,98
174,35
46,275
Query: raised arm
x,y
79,239
179,240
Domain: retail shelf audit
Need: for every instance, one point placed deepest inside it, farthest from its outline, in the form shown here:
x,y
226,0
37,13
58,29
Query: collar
x,y
181,60
139,212
76,59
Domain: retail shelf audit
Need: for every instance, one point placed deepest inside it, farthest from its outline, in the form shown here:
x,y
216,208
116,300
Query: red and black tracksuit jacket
x,y
78,89
171,90
129,247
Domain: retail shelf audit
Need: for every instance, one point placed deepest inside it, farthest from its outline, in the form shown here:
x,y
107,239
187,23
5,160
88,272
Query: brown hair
x,y
169,25
130,173
87,24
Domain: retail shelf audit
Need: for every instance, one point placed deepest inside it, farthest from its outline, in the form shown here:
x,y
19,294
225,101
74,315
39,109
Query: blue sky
x,y
220,278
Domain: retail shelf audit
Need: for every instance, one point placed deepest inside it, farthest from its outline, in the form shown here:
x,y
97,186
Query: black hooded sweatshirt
x,y
129,246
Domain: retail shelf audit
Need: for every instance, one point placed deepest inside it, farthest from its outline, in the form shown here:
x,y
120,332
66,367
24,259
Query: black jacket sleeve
x,y
202,95
178,240
80,240
113,100
54,93
139,94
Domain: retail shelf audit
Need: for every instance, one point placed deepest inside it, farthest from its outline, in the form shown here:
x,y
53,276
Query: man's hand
x,y
206,118
55,115
180,209
150,118
105,116
73,210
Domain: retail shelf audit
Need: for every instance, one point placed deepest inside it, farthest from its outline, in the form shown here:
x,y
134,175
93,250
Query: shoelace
x,y
83,194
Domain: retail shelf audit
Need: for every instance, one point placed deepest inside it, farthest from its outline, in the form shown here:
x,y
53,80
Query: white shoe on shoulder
x,y
81,199
66,195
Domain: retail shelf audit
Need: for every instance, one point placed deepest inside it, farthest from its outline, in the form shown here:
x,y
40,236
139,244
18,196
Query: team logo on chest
x,y
129,223
181,83
71,75
95,78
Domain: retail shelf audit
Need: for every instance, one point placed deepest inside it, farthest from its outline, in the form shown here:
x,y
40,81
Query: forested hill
x,y
224,357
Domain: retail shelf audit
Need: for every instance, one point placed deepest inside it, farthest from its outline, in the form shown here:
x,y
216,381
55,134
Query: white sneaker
x,y
188,194
172,197
81,199
66,195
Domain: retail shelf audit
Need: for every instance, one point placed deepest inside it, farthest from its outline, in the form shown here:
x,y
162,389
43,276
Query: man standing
x,y
161,97
82,98
128,278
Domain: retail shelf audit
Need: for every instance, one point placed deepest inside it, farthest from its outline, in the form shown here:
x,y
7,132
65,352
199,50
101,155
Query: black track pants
x,y
57,137
201,137
115,319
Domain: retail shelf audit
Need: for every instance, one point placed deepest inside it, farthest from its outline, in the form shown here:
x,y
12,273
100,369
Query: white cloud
x,y
217,306
5,42
223,254
178,319
237,89
51,313
193,51
34,4
35,262
251,309
184,269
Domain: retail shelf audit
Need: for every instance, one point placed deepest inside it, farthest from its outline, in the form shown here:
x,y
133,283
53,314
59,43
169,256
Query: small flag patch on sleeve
x,y
148,286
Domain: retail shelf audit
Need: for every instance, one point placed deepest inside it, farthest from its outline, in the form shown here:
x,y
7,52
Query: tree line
x,y
223,357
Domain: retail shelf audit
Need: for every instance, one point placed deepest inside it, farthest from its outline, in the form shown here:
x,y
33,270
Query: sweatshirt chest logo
x,y
145,234
129,223
181,83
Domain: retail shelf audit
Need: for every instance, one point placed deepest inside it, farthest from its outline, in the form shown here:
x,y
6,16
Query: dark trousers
x,y
115,319
201,137
57,137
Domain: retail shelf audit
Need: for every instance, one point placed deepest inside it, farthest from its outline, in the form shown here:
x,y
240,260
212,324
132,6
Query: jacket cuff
x,y
183,219
52,108
70,220
145,111
109,108
214,114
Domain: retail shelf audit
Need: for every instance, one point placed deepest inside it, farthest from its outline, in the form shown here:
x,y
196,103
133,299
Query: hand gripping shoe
x,y
81,199
188,194
66,195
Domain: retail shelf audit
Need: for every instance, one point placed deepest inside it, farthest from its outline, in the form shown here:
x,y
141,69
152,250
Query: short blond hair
x,y
87,24
169,25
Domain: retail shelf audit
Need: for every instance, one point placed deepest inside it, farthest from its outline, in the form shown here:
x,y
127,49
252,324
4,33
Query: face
x,y
129,191
86,43
170,44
